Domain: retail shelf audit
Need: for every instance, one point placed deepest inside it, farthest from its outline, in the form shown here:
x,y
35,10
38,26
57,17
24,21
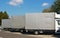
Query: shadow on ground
x,y
56,35
53,35
30,33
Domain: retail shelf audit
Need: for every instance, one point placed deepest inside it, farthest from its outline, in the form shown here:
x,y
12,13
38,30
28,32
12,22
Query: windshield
x,y
58,22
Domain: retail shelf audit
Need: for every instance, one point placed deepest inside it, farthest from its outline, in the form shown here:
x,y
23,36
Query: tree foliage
x,y
47,10
55,7
3,15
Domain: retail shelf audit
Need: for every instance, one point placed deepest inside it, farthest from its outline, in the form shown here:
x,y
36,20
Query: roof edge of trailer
x,y
39,12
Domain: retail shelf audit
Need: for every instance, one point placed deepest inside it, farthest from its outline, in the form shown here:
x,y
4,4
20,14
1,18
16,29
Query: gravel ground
x,y
7,34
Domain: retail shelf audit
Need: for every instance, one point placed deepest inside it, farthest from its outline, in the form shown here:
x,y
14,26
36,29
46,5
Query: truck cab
x,y
57,23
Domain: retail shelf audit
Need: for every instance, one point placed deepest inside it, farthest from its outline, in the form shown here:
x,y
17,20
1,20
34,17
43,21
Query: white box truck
x,y
15,23
42,23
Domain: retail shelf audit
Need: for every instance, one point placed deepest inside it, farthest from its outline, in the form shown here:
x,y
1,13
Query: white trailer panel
x,y
6,23
17,21
43,21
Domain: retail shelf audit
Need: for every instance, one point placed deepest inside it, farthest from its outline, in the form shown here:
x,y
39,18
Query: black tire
x,y
36,32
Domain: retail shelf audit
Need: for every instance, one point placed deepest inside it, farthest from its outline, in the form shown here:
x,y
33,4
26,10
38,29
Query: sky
x,y
21,7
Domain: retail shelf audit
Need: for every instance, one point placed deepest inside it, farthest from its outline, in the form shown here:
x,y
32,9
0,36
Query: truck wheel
x,y
21,30
26,30
40,31
36,32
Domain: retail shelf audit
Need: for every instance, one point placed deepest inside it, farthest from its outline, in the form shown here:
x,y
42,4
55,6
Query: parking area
x,y
8,34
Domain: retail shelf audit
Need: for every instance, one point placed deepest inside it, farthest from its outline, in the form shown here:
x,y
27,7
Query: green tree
x,y
47,10
55,7
3,15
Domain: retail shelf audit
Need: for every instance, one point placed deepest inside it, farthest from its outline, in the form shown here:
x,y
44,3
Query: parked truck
x,y
34,22
15,23
42,23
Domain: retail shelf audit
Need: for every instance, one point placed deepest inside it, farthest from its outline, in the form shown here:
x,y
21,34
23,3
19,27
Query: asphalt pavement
x,y
8,34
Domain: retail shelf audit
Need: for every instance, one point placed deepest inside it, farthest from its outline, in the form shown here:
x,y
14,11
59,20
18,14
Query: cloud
x,y
15,2
44,4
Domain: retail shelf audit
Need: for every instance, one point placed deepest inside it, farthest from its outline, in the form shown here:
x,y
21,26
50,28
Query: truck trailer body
x,y
17,23
42,22
6,24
